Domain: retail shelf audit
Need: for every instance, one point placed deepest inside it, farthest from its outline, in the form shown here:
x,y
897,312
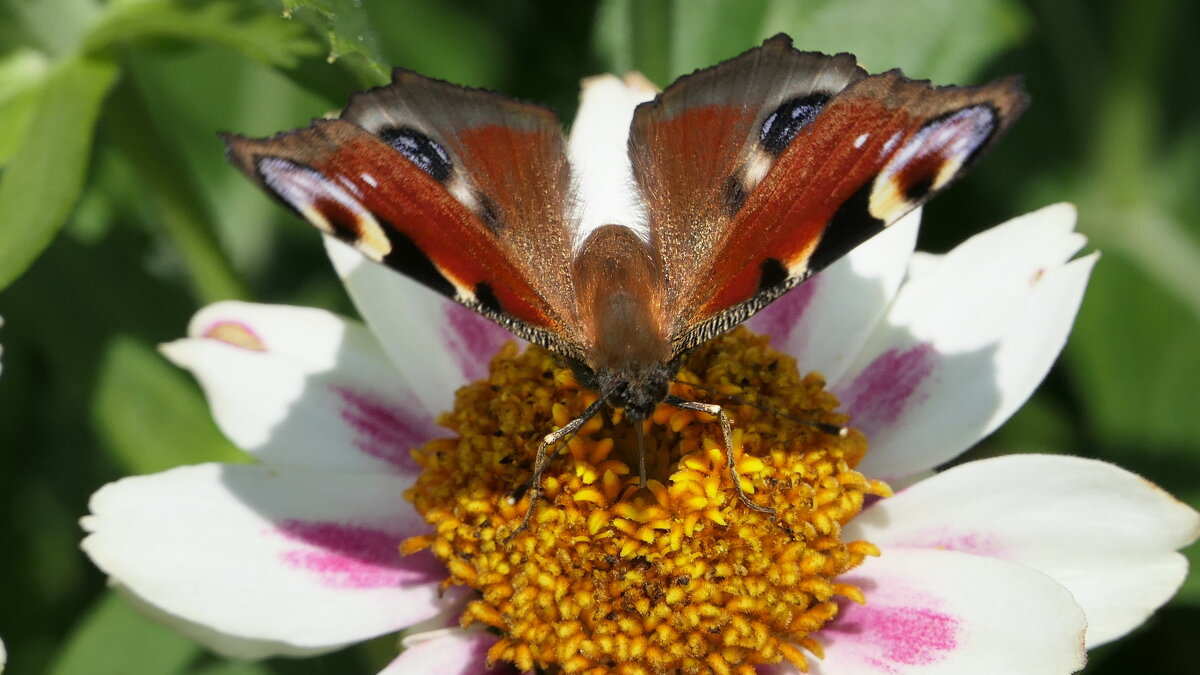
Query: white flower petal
x,y
304,387
3,656
306,558
599,153
942,612
1106,534
966,342
437,343
451,651
922,262
227,645
824,321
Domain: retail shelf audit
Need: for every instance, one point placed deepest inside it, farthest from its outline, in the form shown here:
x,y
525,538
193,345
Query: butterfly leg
x,y
552,439
727,433
823,427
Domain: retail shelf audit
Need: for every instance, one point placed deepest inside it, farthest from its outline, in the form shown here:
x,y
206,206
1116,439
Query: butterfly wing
x,y
462,189
762,170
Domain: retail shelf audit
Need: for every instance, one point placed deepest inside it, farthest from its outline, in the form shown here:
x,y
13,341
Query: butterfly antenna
x,y
727,433
824,427
557,438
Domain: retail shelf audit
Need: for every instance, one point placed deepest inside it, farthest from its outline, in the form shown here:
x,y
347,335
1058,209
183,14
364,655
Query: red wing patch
x,y
352,185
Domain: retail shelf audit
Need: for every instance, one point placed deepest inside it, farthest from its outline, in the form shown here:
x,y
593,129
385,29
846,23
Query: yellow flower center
x,y
678,577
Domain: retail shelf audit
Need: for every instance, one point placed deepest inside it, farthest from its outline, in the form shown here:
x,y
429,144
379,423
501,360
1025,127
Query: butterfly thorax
x,y
618,285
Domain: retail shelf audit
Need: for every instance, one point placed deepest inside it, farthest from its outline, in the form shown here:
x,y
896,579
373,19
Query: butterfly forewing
x,y
815,175
462,189
696,150
509,158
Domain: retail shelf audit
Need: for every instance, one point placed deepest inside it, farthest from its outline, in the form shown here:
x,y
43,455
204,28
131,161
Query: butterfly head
x,y
637,391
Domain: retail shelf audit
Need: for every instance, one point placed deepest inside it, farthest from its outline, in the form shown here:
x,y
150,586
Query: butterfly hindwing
x,y
461,189
815,174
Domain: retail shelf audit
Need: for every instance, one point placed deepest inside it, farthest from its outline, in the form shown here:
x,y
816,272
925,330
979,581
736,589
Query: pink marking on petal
x,y
235,333
780,318
889,637
473,340
387,431
888,387
978,543
353,556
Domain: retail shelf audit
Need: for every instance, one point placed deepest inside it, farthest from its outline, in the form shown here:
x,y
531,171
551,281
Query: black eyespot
x,y
789,118
426,153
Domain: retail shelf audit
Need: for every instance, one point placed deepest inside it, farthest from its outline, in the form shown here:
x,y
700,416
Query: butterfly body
x,y
619,291
750,176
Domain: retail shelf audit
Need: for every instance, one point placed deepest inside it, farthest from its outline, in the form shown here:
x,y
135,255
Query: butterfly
x,y
754,174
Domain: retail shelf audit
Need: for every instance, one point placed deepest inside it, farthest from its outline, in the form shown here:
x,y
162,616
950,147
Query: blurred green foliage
x,y
119,218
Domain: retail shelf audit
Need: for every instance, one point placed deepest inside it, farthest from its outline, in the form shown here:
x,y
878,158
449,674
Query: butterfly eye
x,y
785,123
426,153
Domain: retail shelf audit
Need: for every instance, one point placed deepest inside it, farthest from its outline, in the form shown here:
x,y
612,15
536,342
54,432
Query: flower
x,y
1014,563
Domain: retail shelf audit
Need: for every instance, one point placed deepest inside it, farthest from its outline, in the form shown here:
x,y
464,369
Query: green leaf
x,y
22,73
56,27
264,38
1134,355
664,39
150,415
347,32
445,40
943,40
171,188
946,41
233,668
632,35
1189,593
711,31
46,172
114,639
613,35
1042,425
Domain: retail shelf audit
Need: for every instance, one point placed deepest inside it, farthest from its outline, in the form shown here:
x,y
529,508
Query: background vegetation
x,y
119,218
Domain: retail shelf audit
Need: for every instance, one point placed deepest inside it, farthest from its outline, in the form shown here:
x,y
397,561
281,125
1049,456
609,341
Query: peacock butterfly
x,y
753,175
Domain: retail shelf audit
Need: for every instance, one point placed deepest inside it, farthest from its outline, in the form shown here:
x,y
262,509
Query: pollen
x,y
679,576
